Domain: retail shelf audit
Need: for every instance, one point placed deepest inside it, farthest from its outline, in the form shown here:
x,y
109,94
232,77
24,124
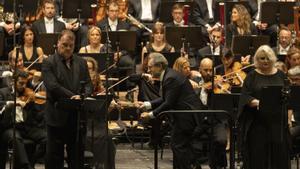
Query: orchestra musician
x,y
30,52
285,41
49,23
64,75
240,24
215,47
217,154
293,64
26,125
158,41
260,148
205,15
184,124
178,16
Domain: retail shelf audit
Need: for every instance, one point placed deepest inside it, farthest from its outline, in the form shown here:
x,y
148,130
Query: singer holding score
x,y
63,74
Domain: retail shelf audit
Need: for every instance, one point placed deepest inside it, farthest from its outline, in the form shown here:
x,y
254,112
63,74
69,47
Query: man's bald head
x,y
205,69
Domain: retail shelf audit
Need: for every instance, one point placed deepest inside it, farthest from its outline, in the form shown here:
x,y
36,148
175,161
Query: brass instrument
x,y
137,23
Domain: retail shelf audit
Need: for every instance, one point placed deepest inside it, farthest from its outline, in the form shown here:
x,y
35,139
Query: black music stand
x,y
248,44
81,107
100,58
277,12
125,40
166,9
191,37
48,42
77,9
273,111
294,101
2,46
228,9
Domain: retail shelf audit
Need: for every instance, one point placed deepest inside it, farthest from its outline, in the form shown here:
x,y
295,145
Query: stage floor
x,y
129,157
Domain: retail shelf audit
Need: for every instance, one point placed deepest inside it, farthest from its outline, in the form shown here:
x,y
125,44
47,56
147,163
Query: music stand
x,y
47,41
177,36
2,46
81,107
77,9
248,44
294,98
100,58
30,6
126,40
277,12
166,9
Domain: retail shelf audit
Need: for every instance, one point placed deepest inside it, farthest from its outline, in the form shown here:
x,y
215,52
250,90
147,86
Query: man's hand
x,y
140,105
75,97
245,60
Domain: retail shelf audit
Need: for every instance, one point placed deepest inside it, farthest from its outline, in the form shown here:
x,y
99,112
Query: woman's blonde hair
x,y
179,64
91,30
264,51
244,20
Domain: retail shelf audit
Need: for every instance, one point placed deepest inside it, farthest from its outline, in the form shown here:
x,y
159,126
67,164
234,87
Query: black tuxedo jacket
x,y
104,22
62,83
40,27
177,94
135,8
200,15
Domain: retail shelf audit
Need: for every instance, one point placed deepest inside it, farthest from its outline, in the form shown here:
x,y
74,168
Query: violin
x,y
30,96
235,74
220,85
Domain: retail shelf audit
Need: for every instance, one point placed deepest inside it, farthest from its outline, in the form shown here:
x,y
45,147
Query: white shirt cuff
x,y
151,115
147,105
207,26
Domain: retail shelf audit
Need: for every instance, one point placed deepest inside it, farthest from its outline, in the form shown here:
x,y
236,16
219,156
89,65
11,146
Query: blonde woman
x,y
261,144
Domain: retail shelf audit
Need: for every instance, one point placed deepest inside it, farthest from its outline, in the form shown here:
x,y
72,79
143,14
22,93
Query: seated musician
x,y
8,26
215,47
177,15
217,154
182,65
240,24
26,126
112,23
30,52
285,41
158,42
8,71
48,24
231,70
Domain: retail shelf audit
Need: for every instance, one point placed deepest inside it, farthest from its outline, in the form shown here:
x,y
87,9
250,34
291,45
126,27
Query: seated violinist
x,y
25,128
8,71
231,70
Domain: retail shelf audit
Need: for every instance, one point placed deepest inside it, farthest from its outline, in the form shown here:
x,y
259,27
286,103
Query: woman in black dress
x,y
158,42
30,52
241,24
262,146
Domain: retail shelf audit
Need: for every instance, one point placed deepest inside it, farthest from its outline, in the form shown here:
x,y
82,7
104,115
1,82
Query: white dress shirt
x,y
113,24
146,10
209,7
49,23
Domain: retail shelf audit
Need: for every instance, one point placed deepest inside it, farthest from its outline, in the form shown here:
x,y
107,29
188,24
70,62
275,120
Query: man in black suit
x,y
65,76
215,39
263,28
25,117
144,10
48,24
177,94
177,15
206,15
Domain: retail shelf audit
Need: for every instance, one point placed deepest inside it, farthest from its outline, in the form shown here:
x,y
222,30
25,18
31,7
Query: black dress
x,y
261,145
33,57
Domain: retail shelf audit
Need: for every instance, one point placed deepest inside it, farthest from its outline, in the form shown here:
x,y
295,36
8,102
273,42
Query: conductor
x,y
176,94
63,74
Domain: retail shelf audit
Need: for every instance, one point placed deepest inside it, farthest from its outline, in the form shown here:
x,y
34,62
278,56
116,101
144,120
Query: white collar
x,y
161,77
48,21
110,22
